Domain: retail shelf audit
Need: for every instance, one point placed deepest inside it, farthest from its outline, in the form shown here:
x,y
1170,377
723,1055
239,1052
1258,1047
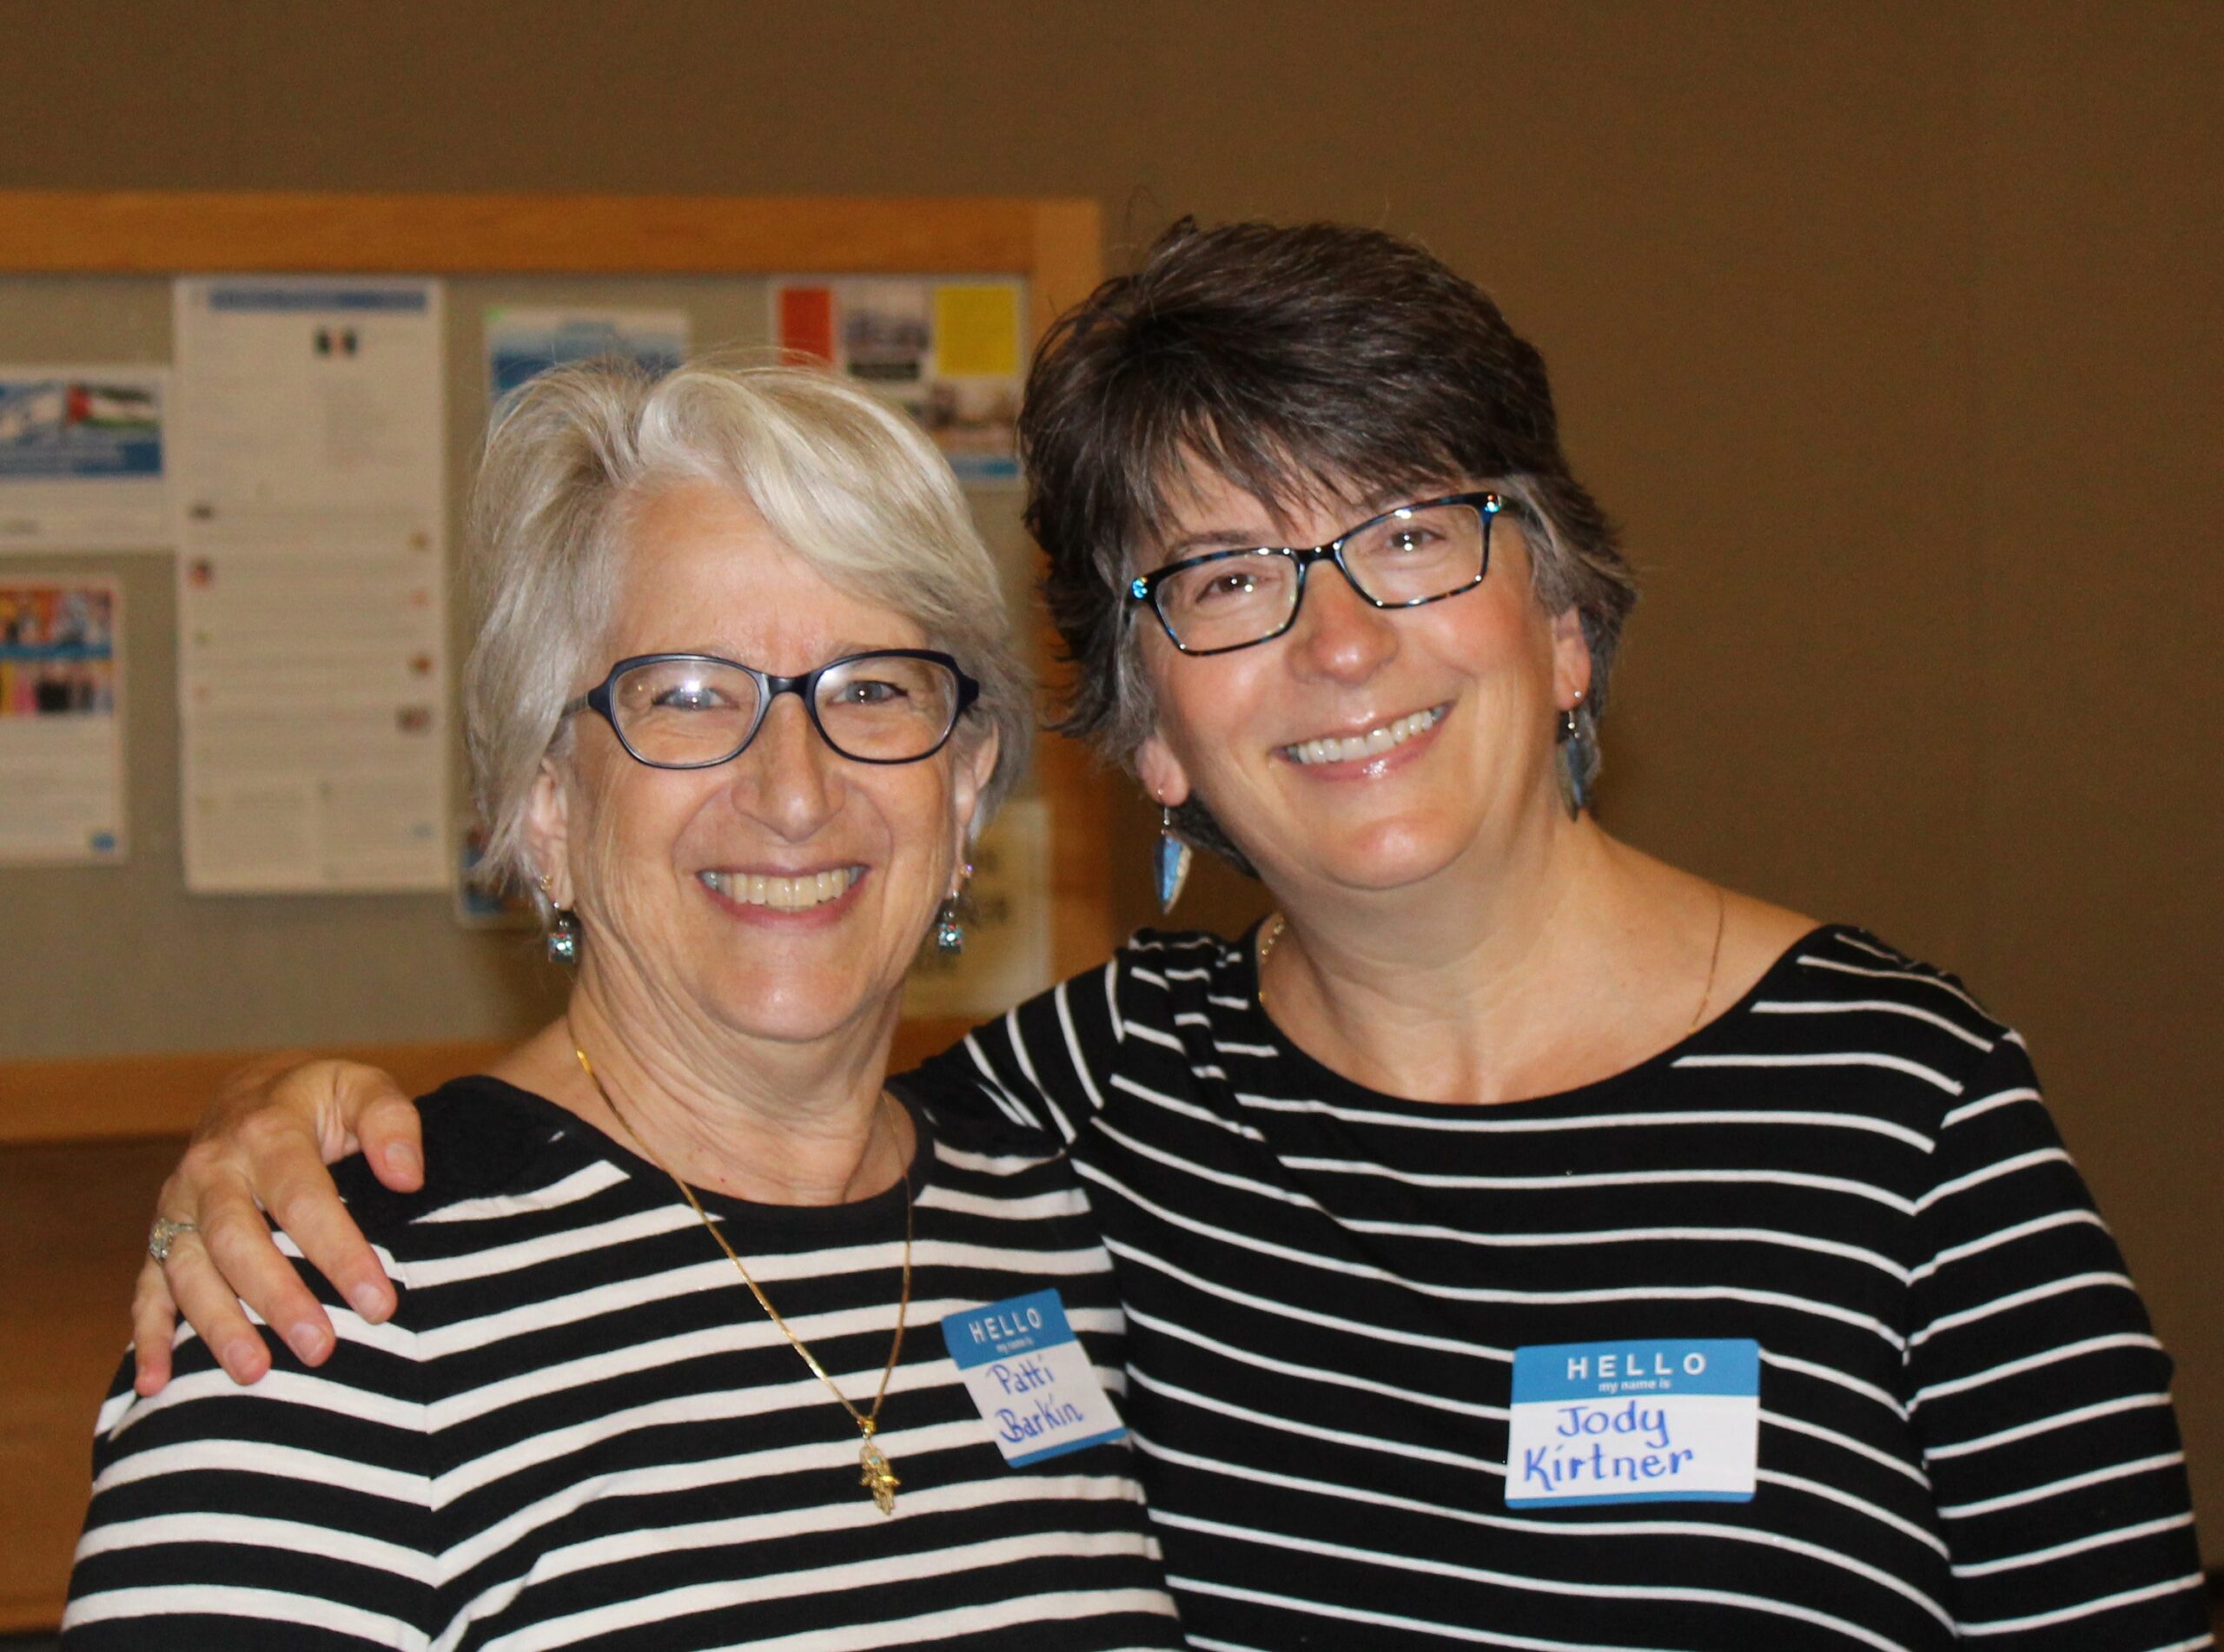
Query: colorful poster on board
x,y
950,351
521,343
61,796
81,459
310,443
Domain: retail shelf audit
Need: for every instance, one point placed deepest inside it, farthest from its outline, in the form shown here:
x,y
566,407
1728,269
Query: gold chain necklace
x,y
1272,931
876,1475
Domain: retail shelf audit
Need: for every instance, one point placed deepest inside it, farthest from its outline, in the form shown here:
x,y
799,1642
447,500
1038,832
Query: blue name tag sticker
x,y
1634,1422
1031,1378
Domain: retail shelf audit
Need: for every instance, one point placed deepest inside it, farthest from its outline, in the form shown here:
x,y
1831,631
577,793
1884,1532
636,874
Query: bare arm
x,y
263,1145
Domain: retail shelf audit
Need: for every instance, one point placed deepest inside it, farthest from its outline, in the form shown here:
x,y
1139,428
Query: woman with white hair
x,y
706,1335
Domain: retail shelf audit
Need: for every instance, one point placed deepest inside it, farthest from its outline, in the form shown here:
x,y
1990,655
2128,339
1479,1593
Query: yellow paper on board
x,y
976,330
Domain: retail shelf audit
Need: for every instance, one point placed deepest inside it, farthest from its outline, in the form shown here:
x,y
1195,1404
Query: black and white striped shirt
x,y
580,1430
1964,1430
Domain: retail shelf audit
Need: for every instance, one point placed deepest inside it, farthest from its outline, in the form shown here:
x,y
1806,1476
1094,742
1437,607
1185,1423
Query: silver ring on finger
x,y
164,1235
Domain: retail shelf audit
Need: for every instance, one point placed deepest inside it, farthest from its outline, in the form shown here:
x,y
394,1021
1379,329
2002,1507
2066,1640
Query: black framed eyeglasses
x,y
698,711
1405,557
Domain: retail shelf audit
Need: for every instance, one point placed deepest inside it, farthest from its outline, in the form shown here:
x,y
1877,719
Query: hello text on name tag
x,y
1634,1422
1031,1377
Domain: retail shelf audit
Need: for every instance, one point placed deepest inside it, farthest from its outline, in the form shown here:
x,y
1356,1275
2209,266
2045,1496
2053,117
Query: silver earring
x,y
1170,860
1578,758
563,936
949,933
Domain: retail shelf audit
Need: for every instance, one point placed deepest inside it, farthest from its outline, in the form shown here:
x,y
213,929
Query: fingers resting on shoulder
x,y
263,1146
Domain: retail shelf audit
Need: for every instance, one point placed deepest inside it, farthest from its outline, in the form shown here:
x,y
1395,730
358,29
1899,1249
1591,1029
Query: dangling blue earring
x,y
1579,759
1170,860
563,937
563,928
950,934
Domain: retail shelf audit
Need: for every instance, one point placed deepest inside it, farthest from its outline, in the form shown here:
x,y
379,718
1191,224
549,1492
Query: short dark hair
x,y
1296,362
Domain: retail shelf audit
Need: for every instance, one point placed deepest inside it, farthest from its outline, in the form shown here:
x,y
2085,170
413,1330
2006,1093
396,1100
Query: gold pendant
x,y
878,1477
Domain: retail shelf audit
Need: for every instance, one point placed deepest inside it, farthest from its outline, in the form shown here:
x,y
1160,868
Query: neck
x,y
1561,960
772,1122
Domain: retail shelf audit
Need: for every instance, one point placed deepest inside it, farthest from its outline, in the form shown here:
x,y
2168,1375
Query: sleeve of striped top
x,y
294,1514
2041,1395
1036,1060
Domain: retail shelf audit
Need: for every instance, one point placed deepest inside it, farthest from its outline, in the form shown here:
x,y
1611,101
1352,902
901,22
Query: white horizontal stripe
x,y
2077,1546
1264,1052
1186,1109
1308,1316
1469,1120
1885,953
2021,1161
2087,1609
1062,1201
429,1272
2032,1362
1834,1058
1829,1374
1847,1442
1954,1253
1635,1236
1991,1173
1774,1007
1507,1580
1607,1179
1061,1606
1315,1373
846,1514
822,1451
1983,1104
1379,1620
2047,1425
280,1462
2015,1299
2056,1488
1922,1534
1467,1463
1913,977
265,1605
251,1531
1490,1293
1583,1533
825,1580
583,1183
1150,1035
990,1164
697,1407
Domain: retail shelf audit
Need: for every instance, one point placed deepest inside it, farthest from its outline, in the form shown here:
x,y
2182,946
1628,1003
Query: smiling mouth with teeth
x,y
1372,744
782,894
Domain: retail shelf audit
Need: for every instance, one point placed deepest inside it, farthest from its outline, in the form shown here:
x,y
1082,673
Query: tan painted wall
x,y
1889,332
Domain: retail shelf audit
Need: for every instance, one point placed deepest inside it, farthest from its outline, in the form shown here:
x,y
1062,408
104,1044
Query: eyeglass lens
x,y
878,708
1408,555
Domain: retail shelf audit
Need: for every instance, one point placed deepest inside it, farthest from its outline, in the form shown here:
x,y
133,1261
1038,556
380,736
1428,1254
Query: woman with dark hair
x,y
1524,1243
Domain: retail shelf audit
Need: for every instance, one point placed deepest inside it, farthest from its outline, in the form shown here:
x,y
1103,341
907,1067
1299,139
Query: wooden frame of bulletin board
x,y
85,1133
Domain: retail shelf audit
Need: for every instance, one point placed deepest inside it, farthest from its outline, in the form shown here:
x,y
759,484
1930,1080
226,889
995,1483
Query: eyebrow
x,y
1254,539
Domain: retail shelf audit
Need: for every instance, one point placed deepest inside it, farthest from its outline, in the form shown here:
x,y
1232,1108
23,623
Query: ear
x,y
1571,658
975,763
1162,772
548,830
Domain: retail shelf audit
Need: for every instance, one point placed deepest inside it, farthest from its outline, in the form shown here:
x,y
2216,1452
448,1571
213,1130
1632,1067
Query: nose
x,y
1338,633
786,778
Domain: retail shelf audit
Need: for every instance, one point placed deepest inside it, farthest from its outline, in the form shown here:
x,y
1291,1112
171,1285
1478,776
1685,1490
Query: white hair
x,y
846,482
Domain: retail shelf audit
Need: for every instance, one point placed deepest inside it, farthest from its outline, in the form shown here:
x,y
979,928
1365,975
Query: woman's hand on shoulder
x,y
263,1146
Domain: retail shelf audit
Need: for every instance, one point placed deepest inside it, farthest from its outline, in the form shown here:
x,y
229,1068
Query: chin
x,y
793,1008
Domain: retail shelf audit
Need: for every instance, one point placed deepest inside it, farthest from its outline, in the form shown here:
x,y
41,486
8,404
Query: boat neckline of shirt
x,y
1317,1078
880,1214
